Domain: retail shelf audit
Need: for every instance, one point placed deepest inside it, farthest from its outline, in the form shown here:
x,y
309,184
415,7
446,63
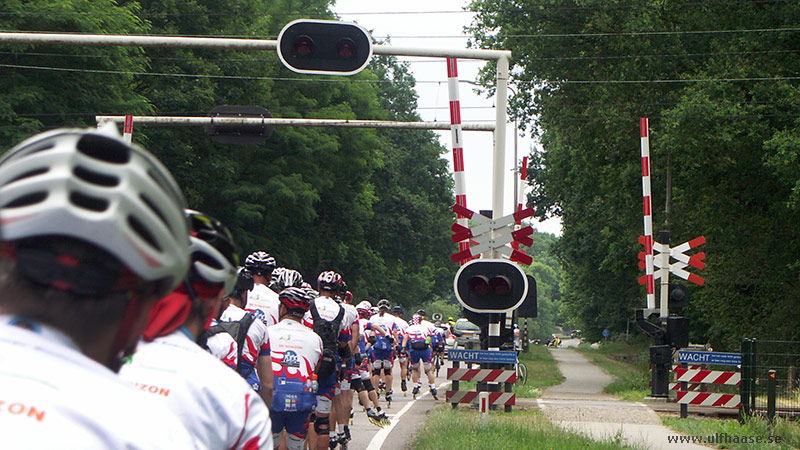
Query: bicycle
x,y
438,360
522,373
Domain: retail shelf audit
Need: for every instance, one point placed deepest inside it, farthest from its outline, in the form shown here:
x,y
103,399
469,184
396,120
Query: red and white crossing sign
x,y
682,260
493,234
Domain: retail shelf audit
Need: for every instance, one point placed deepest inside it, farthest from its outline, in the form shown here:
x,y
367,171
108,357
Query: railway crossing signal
x,y
682,259
493,234
324,47
490,286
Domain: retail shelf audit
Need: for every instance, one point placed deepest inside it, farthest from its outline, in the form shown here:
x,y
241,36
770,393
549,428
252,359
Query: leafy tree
x,y
723,114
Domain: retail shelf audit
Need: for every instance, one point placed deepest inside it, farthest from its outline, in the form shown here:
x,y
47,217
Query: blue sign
x,y
482,356
727,359
606,333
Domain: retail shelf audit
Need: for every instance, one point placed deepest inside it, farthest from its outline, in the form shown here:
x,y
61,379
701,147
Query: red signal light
x,y
500,285
346,48
479,285
303,45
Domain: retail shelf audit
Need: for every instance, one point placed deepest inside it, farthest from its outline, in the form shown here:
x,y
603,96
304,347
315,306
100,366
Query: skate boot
x,y
384,420
388,397
374,418
334,441
415,392
403,387
433,393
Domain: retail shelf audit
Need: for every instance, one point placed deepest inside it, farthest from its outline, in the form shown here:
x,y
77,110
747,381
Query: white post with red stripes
x,y
484,406
523,174
648,214
457,135
127,129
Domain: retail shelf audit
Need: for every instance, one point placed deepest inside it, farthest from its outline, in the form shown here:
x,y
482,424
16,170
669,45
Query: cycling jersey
x,y
256,344
214,403
295,354
263,303
54,396
417,342
223,347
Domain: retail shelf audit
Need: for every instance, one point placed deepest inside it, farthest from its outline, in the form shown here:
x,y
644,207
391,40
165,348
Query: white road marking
x,y
377,441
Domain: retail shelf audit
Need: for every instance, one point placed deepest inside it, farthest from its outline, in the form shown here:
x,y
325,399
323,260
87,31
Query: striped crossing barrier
x,y
708,376
495,398
488,375
709,399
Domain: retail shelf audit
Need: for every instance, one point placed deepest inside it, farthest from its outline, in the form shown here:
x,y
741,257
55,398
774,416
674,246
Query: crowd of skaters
x,y
127,321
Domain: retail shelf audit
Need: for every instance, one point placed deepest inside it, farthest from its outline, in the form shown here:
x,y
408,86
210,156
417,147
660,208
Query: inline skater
x,y
349,377
402,352
296,352
383,349
326,317
261,300
190,381
77,285
252,339
363,362
417,340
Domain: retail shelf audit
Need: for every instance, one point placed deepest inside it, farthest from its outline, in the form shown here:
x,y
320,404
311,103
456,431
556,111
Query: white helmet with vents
x,y
91,185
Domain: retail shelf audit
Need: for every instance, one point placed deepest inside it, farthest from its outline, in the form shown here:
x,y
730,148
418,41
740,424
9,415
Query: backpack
x,y
329,333
238,330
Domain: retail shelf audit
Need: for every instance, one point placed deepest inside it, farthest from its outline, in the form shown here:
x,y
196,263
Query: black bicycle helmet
x,y
260,263
398,310
283,278
213,253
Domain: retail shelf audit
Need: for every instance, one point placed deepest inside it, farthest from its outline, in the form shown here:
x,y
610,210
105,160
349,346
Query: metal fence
x,y
770,378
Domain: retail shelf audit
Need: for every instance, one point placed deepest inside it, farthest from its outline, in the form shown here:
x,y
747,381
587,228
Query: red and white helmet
x,y
329,280
295,298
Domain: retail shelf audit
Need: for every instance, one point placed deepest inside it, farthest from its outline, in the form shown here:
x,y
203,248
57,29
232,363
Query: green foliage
x,y
372,205
723,115
548,275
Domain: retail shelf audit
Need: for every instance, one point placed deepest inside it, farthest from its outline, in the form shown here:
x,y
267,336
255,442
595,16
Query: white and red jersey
x,y
296,350
216,404
257,340
54,396
223,347
328,309
264,304
418,333
429,325
387,321
401,326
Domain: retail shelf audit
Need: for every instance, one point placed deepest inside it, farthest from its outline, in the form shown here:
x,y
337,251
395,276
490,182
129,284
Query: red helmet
x,y
295,298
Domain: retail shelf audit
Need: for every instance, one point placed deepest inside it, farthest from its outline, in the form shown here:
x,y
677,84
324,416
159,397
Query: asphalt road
x,y
405,413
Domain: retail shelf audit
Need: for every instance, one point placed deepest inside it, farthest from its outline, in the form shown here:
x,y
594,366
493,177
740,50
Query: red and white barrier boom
x,y
456,135
648,215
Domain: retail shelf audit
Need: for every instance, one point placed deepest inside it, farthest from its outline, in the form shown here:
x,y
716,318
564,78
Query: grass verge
x,y
448,429
731,433
627,363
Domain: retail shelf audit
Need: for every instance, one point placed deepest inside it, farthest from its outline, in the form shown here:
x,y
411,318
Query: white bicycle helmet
x,y
91,185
